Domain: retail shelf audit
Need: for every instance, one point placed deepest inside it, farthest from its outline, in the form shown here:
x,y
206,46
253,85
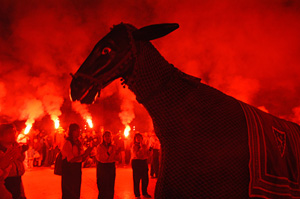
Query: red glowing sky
x,y
248,49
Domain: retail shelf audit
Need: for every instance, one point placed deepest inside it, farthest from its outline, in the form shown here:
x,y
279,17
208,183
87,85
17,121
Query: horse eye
x,y
105,51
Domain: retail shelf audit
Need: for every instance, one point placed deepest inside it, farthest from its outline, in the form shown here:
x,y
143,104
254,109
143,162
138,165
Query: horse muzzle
x,y
83,91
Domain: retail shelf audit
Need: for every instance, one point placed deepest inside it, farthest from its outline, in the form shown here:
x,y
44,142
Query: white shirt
x,y
140,153
106,154
68,151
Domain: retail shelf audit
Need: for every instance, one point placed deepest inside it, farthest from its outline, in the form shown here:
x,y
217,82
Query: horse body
x,y
206,136
202,132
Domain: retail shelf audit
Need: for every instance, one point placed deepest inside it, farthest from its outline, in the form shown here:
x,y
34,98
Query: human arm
x,y
86,153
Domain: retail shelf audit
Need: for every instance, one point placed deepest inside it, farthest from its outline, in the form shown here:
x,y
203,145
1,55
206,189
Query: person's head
x,y
138,138
107,137
74,131
7,134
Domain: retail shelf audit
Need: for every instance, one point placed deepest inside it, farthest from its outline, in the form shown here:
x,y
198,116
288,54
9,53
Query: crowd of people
x,y
79,148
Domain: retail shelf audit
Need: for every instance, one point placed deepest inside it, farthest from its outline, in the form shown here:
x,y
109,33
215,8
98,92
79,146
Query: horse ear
x,y
154,31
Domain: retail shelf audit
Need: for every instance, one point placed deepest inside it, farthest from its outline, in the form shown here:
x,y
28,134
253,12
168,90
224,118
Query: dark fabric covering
x,y
274,155
71,180
202,131
106,175
204,137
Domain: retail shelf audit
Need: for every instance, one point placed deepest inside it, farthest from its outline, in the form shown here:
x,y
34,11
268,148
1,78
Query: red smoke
x,y
247,49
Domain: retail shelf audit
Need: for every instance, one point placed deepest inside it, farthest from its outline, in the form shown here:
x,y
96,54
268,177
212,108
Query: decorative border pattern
x,y
274,155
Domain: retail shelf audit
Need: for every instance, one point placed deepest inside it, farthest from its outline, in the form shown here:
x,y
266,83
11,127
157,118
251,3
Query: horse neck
x,y
151,72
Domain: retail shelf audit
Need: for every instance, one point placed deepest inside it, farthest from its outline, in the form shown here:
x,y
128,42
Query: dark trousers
x,y
140,172
71,180
155,163
106,175
14,186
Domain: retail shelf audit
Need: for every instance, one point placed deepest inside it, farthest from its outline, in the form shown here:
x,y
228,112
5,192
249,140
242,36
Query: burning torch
x,y
127,130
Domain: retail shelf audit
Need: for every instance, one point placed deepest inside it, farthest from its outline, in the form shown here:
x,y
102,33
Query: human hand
x,y
110,149
93,143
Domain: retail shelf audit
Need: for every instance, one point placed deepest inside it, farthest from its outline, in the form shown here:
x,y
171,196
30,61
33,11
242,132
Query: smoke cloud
x,y
127,106
82,109
247,49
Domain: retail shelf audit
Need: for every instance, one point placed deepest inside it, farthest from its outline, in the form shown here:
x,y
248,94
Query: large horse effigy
x,y
213,146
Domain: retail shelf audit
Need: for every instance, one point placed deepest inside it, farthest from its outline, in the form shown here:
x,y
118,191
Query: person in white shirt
x,y
106,169
73,155
140,154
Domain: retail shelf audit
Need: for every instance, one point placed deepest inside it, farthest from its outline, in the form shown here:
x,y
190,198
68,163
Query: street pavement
x,y
41,183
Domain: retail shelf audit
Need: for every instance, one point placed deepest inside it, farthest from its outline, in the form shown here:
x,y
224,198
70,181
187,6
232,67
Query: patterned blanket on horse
x,y
274,146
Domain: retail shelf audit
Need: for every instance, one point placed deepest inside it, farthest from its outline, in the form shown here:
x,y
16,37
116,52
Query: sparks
x,y
127,130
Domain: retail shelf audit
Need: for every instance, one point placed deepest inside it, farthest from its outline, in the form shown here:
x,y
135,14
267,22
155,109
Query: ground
x,y
40,182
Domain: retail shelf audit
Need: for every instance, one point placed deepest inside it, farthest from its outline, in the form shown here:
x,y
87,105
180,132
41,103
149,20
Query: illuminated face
x,y
76,134
107,138
139,139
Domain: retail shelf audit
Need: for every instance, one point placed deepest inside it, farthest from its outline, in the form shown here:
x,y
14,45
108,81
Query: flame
x,y
82,109
28,124
55,119
90,122
127,130
27,129
56,123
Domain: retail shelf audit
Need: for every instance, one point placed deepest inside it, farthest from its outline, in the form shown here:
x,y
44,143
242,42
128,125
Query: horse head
x,y
113,57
